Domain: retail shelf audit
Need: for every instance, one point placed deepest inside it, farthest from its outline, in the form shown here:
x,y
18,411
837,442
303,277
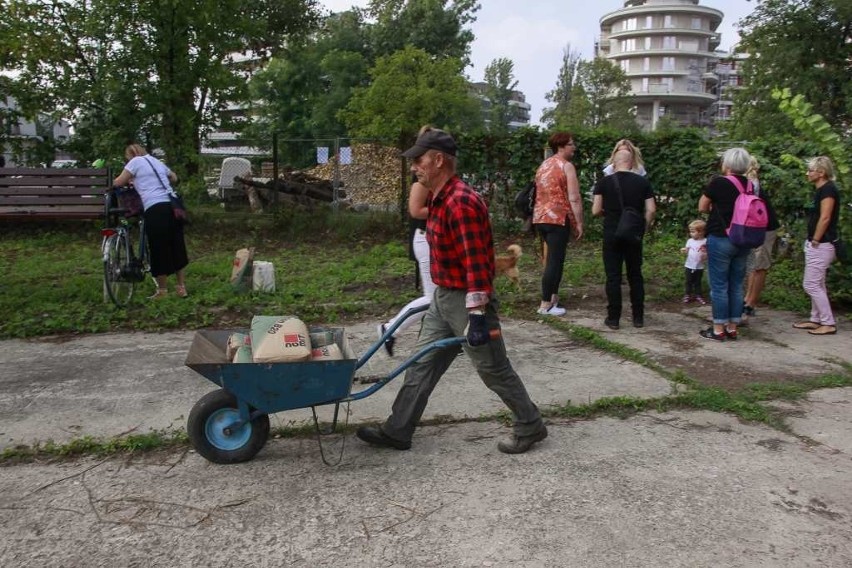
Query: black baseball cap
x,y
432,140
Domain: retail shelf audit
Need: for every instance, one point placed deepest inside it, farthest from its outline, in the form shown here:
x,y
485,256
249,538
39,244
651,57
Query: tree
x,y
600,97
435,26
408,89
803,45
556,117
299,93
499,81
160,71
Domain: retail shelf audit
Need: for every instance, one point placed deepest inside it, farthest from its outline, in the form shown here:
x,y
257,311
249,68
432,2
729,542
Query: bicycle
x,y
124,267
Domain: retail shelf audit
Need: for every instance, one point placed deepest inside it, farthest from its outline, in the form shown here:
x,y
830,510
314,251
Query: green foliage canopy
x,y
804,45
408,89
159,71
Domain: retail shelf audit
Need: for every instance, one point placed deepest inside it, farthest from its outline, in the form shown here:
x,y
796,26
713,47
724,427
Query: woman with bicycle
x,y
152,180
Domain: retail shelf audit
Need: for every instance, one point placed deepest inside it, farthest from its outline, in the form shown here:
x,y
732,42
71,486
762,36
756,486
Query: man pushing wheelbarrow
x,y
462,265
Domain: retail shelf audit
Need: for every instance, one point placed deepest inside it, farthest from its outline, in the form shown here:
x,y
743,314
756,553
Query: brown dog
x,y
507,265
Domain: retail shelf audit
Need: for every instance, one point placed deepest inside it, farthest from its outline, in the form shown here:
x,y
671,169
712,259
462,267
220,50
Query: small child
x,y
696,255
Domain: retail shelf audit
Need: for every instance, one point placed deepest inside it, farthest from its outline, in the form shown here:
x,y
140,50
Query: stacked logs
x,y
371,178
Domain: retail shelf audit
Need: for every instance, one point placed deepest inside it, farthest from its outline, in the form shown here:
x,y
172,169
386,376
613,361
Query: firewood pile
x,y
372,177
293,186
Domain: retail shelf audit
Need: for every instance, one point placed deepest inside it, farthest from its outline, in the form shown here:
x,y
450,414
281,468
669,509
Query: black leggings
x,y
556,237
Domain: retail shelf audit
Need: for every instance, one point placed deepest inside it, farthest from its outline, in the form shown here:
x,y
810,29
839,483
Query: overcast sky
x,y
534,33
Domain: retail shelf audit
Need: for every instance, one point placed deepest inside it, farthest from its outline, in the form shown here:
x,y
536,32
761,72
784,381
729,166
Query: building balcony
x,y
679,32
662,52
672,95
713,15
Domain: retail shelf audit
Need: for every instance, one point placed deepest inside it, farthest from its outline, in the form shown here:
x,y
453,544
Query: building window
x,y
649,22
647,43
646,64
645,84
668,83
625,65
669,42
628,45
667,21
696,23
668,63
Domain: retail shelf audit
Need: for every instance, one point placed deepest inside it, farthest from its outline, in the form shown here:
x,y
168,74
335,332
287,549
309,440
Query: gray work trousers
x,y
447,317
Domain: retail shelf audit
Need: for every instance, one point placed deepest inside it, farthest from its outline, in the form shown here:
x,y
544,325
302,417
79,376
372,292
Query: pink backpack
x,y
748,224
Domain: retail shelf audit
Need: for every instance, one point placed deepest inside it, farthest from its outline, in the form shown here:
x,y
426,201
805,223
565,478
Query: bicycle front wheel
x,y
117,270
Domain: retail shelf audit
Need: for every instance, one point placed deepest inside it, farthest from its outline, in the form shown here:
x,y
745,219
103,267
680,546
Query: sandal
x,y
181,291
824,330
807,325
160,293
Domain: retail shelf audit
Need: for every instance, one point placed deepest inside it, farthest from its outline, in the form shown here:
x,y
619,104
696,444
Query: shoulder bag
x,y
631,223
178,207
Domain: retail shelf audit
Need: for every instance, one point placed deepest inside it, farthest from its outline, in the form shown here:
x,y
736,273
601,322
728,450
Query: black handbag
x,y
631,223
178,207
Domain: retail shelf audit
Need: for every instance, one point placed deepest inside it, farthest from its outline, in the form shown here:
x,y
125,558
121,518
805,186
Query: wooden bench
x,y
53,193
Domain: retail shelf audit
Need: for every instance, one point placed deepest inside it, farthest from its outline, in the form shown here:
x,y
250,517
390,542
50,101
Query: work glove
x,y
477,330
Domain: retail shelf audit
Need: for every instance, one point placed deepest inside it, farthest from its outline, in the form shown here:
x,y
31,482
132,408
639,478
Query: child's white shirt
x,y
694,256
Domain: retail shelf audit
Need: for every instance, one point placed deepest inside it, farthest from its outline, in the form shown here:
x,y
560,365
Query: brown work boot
x,y
520,444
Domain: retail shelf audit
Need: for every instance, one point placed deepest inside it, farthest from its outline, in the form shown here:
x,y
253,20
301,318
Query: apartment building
x,y
667,49
519,107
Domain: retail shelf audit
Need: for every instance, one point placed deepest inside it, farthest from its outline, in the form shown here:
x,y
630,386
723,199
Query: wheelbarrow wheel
x,y
208,430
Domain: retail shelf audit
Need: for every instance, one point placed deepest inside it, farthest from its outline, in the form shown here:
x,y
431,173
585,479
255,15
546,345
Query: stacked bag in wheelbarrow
x,y
281,339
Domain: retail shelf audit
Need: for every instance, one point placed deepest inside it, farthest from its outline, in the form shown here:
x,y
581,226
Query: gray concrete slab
x,y
681,489
113,384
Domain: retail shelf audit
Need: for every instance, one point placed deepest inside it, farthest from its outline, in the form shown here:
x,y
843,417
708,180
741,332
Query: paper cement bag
x,y
241,271
278,339
235,341
243,355
263,276
327,353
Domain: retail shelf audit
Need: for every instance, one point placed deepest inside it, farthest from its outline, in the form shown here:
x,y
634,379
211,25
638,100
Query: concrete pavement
x,y
685,488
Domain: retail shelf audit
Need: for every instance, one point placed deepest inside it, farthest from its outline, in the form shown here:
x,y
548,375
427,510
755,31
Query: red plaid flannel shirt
x,y
461,247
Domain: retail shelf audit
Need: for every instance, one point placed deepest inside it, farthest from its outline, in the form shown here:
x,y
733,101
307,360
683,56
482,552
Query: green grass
x,y
334,267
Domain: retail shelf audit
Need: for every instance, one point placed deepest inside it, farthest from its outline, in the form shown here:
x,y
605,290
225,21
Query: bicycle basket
x,y
129,200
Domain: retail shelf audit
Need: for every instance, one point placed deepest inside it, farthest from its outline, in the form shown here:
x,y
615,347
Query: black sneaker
x,y
638,322
374,436
611,323
749,311
709,334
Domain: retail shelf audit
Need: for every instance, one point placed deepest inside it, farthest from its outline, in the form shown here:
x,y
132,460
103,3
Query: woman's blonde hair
x,y
824,164
698,225
134,150
753,168
634,151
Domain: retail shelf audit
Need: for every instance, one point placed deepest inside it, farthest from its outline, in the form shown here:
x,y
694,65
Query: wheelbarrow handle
x,y
388,333
434,346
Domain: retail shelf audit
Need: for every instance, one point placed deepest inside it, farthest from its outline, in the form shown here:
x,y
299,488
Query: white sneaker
x,y
552,311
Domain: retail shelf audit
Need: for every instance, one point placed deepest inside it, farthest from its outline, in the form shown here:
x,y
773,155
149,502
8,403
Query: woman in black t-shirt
x,y
819,248
726,262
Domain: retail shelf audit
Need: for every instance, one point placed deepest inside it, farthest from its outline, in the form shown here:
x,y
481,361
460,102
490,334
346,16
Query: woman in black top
x,y
726,262
819,248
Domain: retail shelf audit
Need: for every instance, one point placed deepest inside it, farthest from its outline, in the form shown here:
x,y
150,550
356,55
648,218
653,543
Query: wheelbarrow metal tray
x,y
273,387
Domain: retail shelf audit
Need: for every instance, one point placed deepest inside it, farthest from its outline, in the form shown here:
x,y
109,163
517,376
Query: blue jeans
x,y
726,267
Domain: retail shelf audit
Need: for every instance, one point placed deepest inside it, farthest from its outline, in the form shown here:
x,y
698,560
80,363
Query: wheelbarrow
x,y
231,425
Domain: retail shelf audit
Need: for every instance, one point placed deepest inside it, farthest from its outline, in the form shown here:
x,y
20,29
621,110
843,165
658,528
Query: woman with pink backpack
x,y
726,261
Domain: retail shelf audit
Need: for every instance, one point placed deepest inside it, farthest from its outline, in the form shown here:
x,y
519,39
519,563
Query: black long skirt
x,y
165,240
